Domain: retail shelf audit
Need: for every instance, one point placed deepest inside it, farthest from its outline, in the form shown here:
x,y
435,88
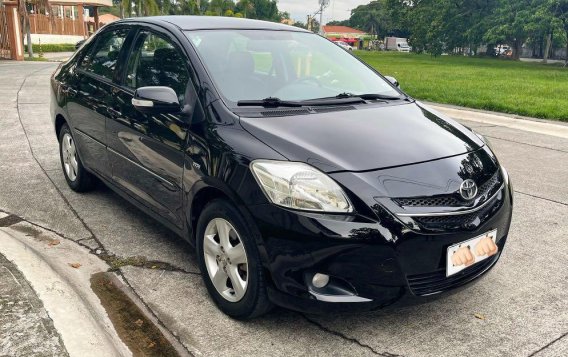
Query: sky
x,y
337,10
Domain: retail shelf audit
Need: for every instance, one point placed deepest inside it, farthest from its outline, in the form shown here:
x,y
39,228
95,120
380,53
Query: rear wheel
x,y
230,263
75,174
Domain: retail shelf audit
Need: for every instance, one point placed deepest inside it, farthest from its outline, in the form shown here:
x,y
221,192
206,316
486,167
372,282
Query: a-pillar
x,y
14,31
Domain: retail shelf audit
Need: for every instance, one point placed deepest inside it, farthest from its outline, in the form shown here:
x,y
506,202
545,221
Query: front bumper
x,y
374,262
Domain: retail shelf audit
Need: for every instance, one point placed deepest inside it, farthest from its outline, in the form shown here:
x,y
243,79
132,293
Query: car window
x,y
102,58
289,65
157,62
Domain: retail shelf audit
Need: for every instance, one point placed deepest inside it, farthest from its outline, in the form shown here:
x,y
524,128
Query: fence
x,y
43,24
5,46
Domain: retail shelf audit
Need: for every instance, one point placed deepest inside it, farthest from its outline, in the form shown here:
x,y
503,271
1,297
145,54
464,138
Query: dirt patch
x,y
28,230
37,234
9,220
136,331
117,262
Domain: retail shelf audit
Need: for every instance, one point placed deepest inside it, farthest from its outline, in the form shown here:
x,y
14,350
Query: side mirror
x,y
393,81
156,100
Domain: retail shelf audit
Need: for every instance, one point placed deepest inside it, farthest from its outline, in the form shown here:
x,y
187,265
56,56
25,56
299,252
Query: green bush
x,y
63,47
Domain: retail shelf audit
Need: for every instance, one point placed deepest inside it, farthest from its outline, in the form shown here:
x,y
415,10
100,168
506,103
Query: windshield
x,y
258,64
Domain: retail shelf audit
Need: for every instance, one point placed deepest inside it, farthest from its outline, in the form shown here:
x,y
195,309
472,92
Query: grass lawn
x,y
35,58
529,89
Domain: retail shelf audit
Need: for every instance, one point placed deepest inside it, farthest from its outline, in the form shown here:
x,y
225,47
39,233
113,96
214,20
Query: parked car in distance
x,y
303,177
502,50
397,44
344,45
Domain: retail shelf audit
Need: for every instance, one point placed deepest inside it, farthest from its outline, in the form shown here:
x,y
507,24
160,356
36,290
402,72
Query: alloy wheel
x,y
225,259
69,156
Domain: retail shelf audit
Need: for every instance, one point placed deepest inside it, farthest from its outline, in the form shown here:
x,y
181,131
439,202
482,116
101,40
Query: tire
x,y
214,256
78,179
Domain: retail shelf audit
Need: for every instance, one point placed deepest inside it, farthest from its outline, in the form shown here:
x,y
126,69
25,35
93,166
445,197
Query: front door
x,y
89,97
145,150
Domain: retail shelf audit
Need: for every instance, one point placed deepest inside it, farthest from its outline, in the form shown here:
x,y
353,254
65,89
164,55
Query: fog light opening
x,y
320,280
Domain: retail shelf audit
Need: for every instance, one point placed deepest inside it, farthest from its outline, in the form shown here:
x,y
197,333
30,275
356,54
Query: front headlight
x,y
299,186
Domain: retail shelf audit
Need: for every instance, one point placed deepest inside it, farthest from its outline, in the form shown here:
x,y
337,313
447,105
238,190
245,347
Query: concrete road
x,y
519,309
25,326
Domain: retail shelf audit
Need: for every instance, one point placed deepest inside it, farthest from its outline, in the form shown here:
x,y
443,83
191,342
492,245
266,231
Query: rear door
x,y
145,150
90,95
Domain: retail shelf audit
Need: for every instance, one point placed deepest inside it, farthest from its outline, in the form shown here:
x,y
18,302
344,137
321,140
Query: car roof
x,y
215,22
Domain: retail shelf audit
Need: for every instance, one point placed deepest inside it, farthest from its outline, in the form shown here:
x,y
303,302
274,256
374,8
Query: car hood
x,y
365,139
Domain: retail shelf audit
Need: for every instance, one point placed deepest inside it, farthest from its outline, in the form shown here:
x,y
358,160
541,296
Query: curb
x,y
533,125
61,269
81,321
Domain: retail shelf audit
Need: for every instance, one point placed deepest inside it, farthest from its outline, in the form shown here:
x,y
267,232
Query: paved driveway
x,y
519,309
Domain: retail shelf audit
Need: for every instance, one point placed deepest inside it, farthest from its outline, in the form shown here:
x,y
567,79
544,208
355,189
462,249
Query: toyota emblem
x,y
468,189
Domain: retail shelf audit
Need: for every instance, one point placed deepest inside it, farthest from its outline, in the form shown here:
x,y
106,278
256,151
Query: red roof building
x,y
343,33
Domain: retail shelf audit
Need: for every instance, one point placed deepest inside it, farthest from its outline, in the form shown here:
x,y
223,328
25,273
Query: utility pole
x,y
323,4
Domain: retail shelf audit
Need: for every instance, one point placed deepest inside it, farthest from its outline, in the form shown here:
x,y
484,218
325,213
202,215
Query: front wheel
x,y
230,263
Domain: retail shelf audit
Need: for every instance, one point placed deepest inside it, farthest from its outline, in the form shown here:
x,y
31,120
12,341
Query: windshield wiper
x,y
343,98
272,102
269,102
368,96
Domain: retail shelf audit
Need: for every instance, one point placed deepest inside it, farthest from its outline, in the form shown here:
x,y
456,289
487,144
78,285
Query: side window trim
x,y
94,46
158,30
124,53
143,32
121,81
186,49
88,50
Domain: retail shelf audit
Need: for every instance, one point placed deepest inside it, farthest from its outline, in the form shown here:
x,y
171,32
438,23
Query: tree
x,y
185,7
41,5
140,7
313,25
339,23
371,18
512,22
300,25
264,10
245,7
559,9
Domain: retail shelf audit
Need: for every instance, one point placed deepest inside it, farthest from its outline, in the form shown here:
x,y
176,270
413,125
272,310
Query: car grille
x,y
466,221
435,282
451,200
434,201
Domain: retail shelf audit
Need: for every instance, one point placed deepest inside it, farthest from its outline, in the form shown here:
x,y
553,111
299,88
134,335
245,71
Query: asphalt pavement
x,y
518,309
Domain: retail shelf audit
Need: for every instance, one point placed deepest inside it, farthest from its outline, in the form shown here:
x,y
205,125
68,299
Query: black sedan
x,y
303,177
